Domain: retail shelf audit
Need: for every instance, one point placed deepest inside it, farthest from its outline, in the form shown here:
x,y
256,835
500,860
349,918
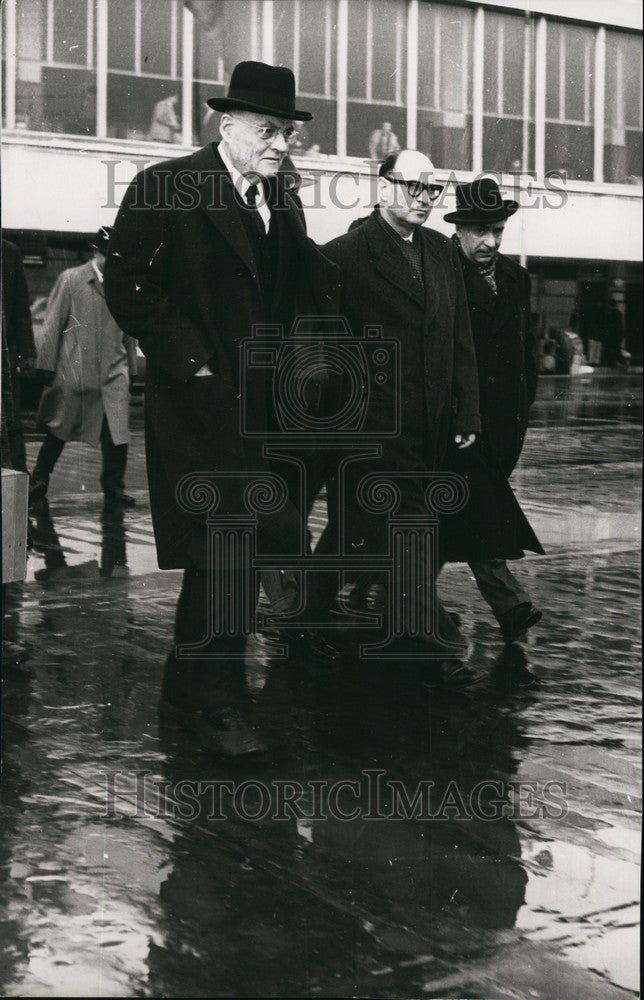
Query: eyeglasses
x,y
269,132
416,188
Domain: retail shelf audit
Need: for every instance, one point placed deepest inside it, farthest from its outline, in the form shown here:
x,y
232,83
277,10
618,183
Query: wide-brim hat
x,y
268,90
481,201
101,241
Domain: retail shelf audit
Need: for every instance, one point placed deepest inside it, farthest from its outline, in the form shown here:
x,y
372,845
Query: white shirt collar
x,y
242,185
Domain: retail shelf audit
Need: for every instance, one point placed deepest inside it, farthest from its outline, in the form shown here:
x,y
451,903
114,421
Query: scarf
x,y
487,271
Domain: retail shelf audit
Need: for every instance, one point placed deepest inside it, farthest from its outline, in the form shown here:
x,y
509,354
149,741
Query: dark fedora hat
x,y
101,240
255,86
480,201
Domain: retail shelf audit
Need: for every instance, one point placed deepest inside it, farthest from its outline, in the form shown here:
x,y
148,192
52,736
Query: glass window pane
x,y
120,34
569,150
223,36
553,47
503,83
156,36
357,63
623,109
388,47
579,74
284,33
491,82
513,51
318,42
143,108
52,98
445,85
70,31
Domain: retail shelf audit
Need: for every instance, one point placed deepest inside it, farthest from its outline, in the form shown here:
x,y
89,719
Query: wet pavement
x,y
397,840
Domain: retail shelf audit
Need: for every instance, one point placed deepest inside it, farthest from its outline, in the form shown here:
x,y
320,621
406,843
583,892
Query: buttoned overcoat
x,y
181,278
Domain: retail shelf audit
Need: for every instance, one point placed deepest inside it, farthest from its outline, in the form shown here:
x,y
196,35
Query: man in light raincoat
x,y
91,361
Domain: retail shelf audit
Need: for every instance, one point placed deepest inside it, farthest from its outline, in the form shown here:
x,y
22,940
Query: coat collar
x,y
217,200
92,278
393,268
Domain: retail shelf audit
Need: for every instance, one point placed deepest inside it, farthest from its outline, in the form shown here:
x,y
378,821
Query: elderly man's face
x,y
481,243
257,143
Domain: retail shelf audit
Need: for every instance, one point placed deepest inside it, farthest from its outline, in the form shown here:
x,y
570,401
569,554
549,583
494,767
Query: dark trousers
x,y
114,460
215,679
498,586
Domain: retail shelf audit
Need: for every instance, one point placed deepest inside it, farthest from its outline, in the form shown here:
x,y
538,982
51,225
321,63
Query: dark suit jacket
x,y
377,291
505,353
20,338
180,277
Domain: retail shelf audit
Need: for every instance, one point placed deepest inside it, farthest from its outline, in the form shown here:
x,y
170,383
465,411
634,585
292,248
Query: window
x,y
143,78
569,100
225,32
445,85
304,39
623,109
55,72
376,115
508,135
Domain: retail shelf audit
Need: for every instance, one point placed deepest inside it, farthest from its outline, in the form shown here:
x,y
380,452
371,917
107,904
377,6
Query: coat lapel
x,y
390,263
433,275
217,192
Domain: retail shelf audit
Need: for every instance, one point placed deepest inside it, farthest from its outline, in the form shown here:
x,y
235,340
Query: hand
x,y
464,442
204,370
27,366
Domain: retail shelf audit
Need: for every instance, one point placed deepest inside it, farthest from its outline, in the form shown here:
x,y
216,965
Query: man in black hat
x,y
89,364
206,248
493,528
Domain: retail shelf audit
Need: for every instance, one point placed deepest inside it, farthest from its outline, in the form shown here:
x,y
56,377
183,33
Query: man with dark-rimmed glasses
x,y
405,279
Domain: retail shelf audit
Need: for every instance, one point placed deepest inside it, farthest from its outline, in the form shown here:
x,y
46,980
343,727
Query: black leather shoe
x,y
515,622
452,673
225,732
119,499
230,735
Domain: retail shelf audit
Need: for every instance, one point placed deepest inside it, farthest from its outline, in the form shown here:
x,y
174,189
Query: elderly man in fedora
x,y
206,248
492,528
90,365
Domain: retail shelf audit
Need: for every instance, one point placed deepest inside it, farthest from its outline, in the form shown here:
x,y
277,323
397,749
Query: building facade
x,y
547,95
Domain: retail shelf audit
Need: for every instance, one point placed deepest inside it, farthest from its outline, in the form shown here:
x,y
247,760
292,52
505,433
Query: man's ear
x,y
225,125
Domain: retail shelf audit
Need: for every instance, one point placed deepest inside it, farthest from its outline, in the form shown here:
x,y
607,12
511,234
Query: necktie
x,y
251,201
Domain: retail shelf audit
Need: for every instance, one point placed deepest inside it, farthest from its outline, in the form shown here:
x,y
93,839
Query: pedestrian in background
x,y
492,528
90,364
20,357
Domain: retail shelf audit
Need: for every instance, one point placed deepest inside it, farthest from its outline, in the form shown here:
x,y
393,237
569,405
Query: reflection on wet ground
x,y
396,840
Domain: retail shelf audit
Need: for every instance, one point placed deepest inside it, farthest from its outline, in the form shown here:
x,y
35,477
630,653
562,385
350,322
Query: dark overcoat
x,y
181,278
493,524
377,292
505,354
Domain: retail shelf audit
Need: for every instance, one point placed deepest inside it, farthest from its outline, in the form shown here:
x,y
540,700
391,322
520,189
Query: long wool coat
x,y
377,292
436,384
181,278
86,349
493,524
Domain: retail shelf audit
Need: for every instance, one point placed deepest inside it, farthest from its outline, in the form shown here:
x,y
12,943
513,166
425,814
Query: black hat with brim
x,y
480,202
267,90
